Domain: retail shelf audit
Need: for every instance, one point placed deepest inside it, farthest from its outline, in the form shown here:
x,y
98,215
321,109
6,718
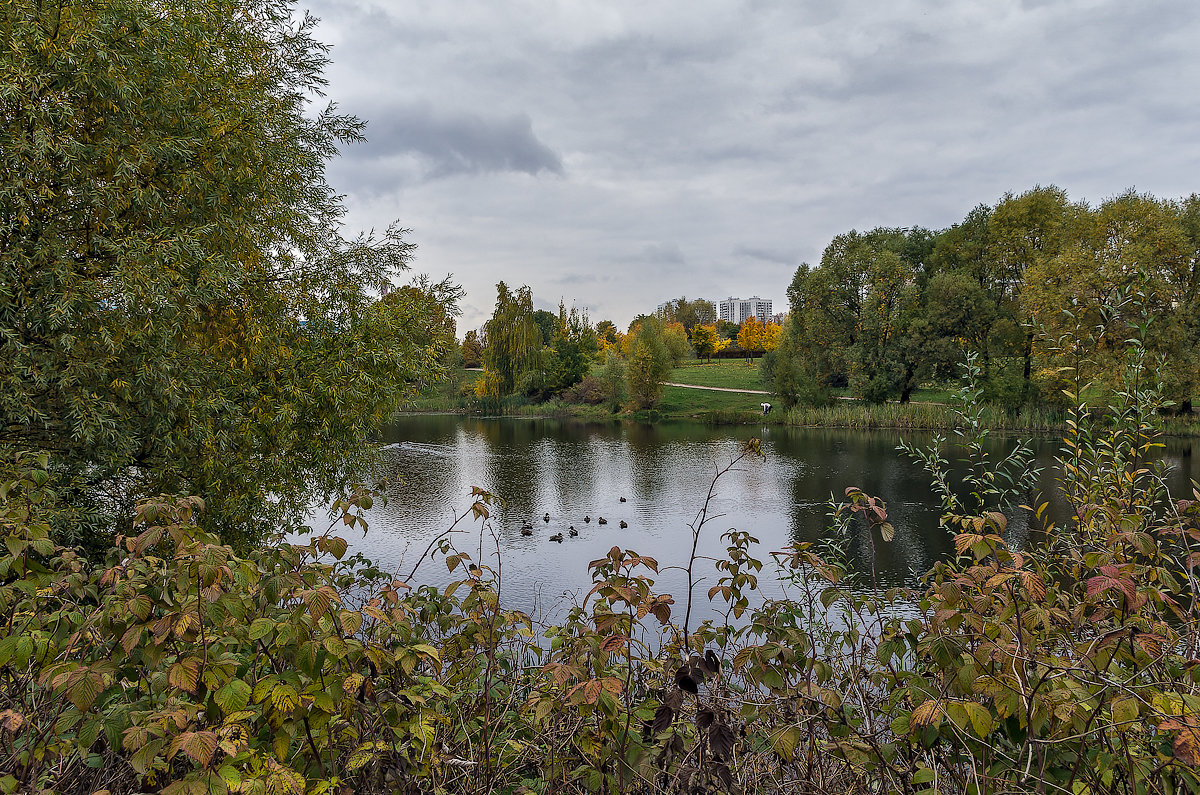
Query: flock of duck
x,y
527,528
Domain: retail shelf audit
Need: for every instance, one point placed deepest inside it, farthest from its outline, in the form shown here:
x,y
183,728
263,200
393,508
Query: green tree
x,y
676,340
1130,263
1024,232
514,342
690,313
548,323
178,309
574,346
647,363
606,332
612,377
472,349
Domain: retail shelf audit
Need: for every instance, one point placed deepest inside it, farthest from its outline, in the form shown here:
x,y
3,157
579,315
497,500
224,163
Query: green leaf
x,y
981,718
284,698
1125,712
784,742
260,628
233,697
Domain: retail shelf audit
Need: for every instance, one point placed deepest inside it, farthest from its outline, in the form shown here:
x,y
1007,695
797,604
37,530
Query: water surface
x,y
572,470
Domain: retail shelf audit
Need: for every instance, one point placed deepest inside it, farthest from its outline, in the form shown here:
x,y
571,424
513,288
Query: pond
x,y
574,472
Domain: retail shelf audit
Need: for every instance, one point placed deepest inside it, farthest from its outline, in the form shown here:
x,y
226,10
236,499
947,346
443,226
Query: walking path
x,y
720,389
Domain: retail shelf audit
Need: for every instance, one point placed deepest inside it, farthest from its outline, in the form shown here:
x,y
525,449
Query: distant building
x,y
737,310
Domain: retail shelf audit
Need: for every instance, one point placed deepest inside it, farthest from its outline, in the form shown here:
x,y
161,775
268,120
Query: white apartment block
x,y
737,310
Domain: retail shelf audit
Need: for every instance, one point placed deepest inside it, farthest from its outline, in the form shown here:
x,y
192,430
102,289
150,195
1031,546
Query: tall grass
x,y
918,417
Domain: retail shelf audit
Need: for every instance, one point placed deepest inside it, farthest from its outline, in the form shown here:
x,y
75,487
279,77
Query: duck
x,y
601,520
526,531
622,499
587,519
556,537
624,524
572,532
546,518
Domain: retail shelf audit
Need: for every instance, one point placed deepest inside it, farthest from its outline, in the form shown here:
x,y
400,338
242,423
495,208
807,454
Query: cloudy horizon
x,y
616,155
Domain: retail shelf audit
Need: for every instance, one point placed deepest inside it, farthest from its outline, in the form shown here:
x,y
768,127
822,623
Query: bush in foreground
x,y
1070,666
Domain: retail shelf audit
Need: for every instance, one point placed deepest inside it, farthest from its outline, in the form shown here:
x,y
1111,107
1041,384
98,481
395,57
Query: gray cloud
x,y
664,254
416,142
705,149
777,256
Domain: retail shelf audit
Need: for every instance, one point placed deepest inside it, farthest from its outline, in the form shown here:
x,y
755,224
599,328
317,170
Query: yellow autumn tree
x,y
750,338
707,341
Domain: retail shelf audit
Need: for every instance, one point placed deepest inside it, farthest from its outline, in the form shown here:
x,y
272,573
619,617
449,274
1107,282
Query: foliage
x,y
180,311
514,341
706,341
751,336
472,349
889,309
613,377
1067,666
647,362
690,313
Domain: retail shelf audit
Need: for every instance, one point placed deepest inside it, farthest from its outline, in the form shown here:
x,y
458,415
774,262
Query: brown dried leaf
x,y
684,680
721,740
11,722
1187,741
663,716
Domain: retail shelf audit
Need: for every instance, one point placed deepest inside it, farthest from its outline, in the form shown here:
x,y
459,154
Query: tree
x,y
179,310
575,347
472,349
514,342
751,337
707,342
727,329
1127,271
676,340
1024,232
647,363
771,335
607,335
690,313
548,323
613,377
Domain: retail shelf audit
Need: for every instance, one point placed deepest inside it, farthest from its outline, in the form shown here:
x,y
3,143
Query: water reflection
x,y
571,470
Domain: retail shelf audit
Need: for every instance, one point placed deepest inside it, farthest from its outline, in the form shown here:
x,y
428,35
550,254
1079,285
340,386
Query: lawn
x,y
680,401
724,373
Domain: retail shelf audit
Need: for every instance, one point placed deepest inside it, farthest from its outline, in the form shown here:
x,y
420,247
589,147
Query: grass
x,y
926,412
916,417
723,373
679,401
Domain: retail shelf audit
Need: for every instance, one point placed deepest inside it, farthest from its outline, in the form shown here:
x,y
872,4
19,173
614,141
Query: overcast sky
x,y
617,154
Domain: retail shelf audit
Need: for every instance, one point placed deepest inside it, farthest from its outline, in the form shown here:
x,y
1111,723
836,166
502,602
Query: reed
x,y
918,417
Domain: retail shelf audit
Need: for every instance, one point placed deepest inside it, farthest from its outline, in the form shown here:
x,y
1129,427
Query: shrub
x,y
590,390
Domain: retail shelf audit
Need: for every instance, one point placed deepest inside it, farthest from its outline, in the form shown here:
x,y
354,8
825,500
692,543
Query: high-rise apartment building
x,y
737,310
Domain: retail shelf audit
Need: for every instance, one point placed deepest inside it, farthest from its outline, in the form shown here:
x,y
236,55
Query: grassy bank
x,y
928,411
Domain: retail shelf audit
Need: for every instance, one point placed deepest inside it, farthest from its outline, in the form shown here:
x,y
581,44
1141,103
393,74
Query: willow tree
x,y
179,310
514,341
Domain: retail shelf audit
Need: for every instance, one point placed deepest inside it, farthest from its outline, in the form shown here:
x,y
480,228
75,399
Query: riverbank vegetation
x,y
179,308
193,353
890,309
1066,666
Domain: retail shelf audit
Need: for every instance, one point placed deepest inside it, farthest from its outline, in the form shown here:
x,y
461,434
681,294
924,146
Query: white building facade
x,y
737,310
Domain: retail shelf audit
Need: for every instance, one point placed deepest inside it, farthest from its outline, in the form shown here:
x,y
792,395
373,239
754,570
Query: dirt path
x,y
719,389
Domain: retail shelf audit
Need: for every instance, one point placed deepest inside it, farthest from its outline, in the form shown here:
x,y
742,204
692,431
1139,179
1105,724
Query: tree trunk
x,y
1028,353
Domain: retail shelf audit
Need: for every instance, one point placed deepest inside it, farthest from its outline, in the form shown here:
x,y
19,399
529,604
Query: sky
x,y
615,155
